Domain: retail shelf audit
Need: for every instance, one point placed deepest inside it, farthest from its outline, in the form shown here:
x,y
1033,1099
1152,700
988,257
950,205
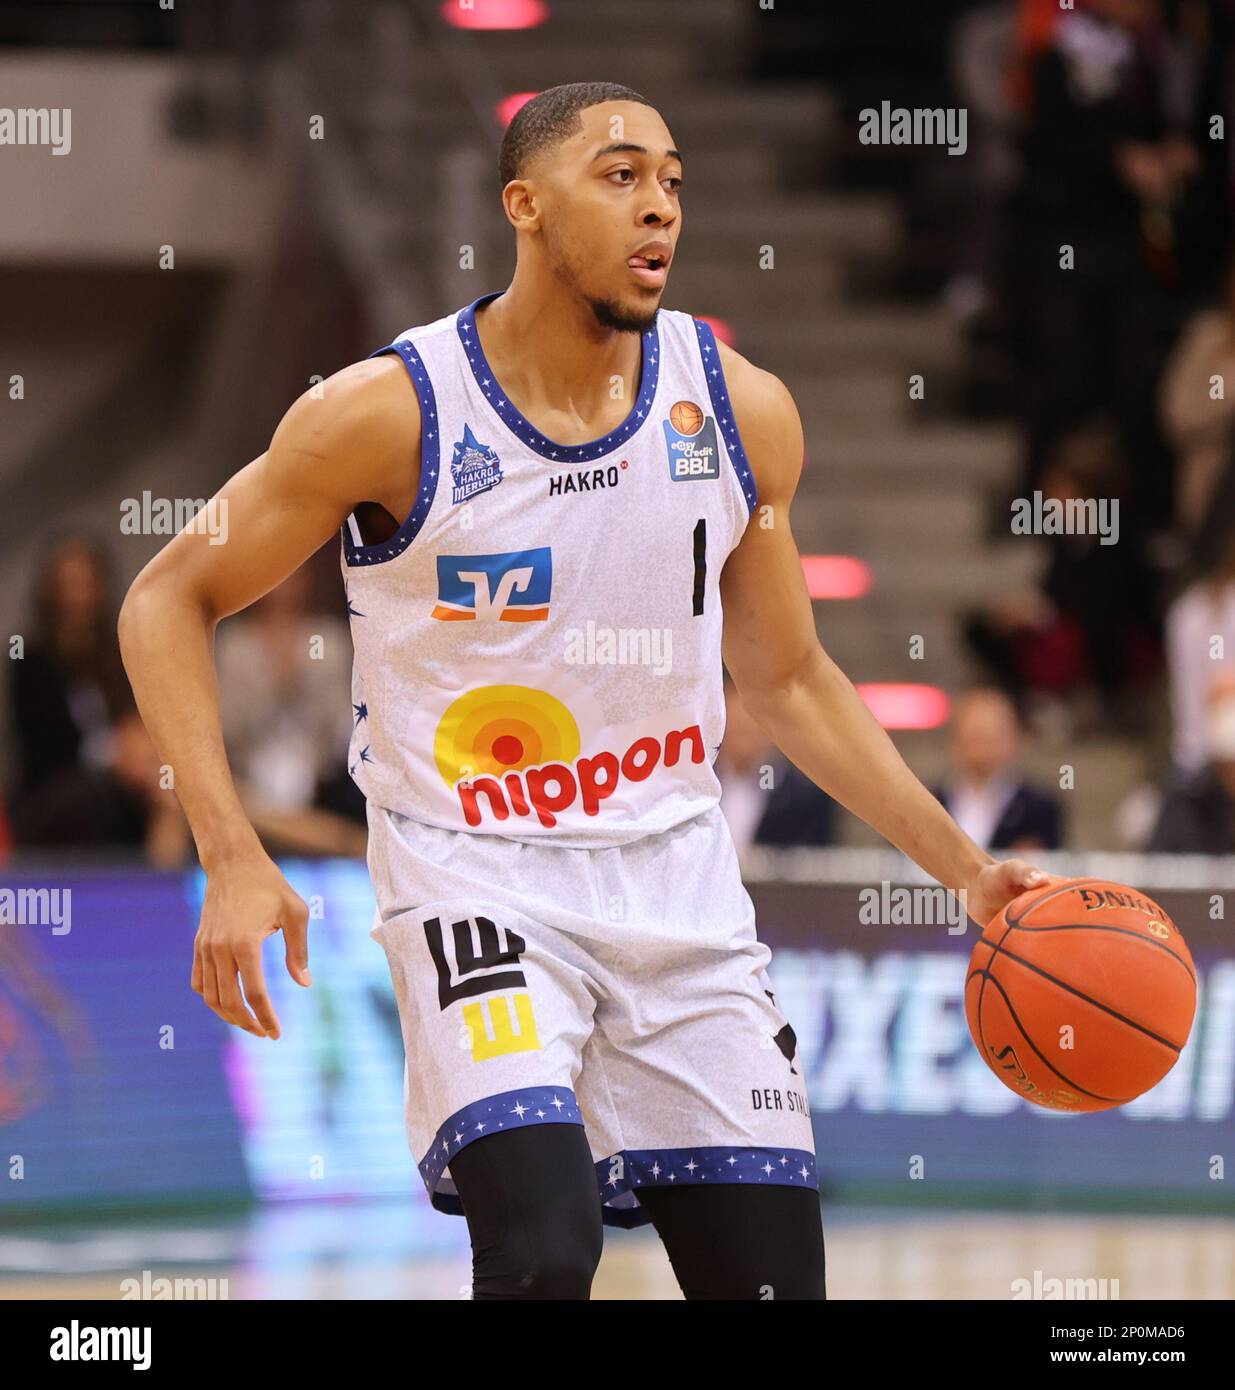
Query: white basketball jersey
x,y
538,647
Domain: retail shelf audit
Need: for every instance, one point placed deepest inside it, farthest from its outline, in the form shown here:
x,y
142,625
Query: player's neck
x,y
554,360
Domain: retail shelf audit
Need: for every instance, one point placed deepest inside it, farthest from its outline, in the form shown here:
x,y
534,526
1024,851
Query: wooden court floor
x,y
372,1251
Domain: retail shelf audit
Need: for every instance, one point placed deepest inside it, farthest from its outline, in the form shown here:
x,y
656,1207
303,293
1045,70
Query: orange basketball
x,y
1080,996
686,417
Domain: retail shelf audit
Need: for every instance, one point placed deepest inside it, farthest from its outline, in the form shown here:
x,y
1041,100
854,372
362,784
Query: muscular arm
x,y
357,440
800,697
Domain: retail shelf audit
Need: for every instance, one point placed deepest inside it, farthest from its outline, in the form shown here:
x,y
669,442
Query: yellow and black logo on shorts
x,y
492,1028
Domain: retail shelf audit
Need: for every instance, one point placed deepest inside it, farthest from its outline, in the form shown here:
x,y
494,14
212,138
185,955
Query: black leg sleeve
x,y
737,1242
533,1212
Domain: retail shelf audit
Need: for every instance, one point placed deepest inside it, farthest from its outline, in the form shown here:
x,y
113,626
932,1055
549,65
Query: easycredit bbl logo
x,y
511,750
691,439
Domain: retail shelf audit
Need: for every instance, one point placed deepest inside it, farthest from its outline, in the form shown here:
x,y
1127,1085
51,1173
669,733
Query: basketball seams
x,y
995,948
1046,1062
1019,916
985,976
1097,1003
1047,896
1084,883
1110,927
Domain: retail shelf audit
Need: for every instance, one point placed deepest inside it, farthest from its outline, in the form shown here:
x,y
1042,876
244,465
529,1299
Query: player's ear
x,y
521,205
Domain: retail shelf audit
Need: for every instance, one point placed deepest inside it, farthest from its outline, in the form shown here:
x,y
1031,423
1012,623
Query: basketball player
x,y
545,500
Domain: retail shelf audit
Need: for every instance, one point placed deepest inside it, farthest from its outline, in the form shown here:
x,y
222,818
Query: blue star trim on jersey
x,y
722,408
382,551
619,1176
719,1163
693,1167
535,1105
523,429
361,711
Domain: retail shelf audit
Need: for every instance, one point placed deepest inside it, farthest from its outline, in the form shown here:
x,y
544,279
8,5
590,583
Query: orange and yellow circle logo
x,y
495,728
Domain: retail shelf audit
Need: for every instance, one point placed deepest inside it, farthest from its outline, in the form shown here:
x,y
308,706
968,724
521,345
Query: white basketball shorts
x,y
619,989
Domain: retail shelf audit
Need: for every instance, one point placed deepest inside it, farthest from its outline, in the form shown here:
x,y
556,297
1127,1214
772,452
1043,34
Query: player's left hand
x,y
993,887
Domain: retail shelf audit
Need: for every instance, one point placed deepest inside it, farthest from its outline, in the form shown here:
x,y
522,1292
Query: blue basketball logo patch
x,y
690,437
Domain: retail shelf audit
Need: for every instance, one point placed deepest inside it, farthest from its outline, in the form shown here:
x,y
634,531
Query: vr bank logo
x,y
511,588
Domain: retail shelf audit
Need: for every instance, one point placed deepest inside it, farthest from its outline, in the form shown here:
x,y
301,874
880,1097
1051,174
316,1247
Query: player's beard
x,y
609,313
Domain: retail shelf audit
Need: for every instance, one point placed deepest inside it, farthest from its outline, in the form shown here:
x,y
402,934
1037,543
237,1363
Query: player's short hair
x,y
549,118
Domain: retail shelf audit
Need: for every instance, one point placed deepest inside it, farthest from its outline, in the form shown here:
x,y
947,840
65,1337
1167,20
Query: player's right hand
x,y
245,903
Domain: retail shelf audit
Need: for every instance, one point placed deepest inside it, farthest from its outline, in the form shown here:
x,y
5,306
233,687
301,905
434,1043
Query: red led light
x,y
508,106
905,706
836,576
718,326
495,14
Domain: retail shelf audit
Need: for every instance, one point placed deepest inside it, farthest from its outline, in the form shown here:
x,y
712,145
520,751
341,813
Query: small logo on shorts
x,y
786,1040
482,964
480,961
499,1037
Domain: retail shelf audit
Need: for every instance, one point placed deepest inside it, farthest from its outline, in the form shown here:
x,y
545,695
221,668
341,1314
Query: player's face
x,y
612,213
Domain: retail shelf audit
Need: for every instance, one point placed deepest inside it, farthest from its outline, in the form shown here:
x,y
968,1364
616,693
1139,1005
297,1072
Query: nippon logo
x,y
902,125
37,125
78,1343
620,646
37,907
166,516
549,788
1073,516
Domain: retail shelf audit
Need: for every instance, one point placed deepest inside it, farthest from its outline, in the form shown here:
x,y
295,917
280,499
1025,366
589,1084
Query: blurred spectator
x,y
1200,645
1198,807
983,50
986,795
1088,626
1200,427
1198,83
1101,172
1035,30
764,798
120,805
69,684
285,690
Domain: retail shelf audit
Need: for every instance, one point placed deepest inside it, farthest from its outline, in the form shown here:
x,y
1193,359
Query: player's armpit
x,y
355,438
